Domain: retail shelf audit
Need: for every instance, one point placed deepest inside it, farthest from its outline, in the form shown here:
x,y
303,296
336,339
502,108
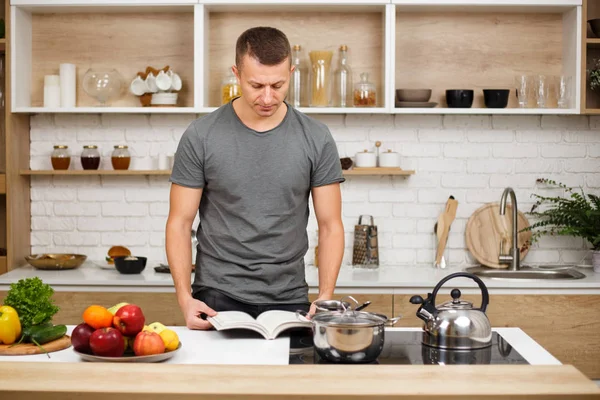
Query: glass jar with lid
x,y
60,157
120,157
90,157
365,94
230,88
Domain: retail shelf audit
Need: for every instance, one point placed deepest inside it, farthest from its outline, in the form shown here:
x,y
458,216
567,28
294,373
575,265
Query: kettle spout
x,y
427,311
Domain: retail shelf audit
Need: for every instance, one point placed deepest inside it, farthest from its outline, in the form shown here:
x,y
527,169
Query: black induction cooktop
x,y
405,347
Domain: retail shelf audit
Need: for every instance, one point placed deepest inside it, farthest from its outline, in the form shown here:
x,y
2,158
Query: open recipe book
x,y
269,324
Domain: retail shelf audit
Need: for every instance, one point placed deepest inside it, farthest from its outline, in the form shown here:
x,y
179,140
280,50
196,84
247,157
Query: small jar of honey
x,y
60,157
90,157
120,157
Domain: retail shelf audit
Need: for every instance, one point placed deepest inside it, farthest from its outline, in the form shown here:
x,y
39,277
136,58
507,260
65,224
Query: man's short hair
x,y
269,46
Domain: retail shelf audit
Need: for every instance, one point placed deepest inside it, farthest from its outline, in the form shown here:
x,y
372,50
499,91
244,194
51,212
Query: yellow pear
x,y
113,310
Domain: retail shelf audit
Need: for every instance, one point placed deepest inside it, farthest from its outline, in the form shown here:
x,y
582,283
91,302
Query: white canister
x,y
365,160
389,159
52,91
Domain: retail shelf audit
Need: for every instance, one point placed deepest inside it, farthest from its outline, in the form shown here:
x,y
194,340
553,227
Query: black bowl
x,y
459,98
496,98
130,264
595,26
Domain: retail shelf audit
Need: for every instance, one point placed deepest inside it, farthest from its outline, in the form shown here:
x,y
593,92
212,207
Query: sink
x,y
529,273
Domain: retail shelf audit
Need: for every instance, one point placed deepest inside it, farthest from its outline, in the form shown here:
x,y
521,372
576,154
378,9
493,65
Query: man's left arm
x,y
327,201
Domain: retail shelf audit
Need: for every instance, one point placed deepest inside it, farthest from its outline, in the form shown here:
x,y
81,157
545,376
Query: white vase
x,y
596,260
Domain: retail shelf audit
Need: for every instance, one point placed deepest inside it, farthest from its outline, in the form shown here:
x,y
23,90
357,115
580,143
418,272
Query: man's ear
x,y
236,72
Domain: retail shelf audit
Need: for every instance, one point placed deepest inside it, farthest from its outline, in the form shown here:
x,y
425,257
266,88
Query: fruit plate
x,y
129,359
103,264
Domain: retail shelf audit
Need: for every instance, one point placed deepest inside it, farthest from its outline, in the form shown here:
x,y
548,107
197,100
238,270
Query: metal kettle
x,y
455,324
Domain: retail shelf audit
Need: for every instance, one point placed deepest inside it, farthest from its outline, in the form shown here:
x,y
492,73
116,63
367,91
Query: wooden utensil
x,y
487,231
24,349
447,217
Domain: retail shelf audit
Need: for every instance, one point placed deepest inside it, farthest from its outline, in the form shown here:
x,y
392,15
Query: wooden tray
x,y
485,230
24,349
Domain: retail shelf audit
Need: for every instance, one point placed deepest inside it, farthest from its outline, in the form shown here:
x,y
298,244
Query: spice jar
x,y
365,94
60,157
90,157
230,89
120,157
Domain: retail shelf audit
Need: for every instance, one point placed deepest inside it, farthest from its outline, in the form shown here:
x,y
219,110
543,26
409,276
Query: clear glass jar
x,y
365,94
296,95
320,78
90,157
230,88
342,95
60,157
120,157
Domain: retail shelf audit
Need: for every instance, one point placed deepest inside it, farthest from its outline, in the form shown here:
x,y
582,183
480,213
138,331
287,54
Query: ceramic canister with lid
x,y
365,159
389,159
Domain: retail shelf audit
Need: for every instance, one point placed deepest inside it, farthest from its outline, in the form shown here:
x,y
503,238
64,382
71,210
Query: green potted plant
x,y
594,75
573,214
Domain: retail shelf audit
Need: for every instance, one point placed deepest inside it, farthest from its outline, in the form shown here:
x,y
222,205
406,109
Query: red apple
x,y
148,343
80,338
129,320
107,342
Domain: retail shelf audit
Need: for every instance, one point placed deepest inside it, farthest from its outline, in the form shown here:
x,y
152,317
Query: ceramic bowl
x,y
496,98
413,95
130,264
459,98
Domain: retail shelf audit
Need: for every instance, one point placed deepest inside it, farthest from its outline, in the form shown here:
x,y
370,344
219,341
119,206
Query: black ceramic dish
x,y
496,98
130,264
595,26
459,98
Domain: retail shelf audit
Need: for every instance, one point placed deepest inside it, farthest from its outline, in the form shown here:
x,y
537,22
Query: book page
x,y
276,321
232,318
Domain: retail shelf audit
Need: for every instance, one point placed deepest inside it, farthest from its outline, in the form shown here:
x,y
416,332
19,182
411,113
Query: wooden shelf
x,y
378,171
2,183
108,110
351,172
95,172
593,43
485,111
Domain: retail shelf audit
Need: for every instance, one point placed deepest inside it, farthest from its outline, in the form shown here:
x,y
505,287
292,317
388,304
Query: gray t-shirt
x,y
254,206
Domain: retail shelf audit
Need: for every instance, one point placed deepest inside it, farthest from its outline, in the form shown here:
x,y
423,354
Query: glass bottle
x,y
230,88
365,94
90,157
120,157
296,96
342,96
60,157
320,78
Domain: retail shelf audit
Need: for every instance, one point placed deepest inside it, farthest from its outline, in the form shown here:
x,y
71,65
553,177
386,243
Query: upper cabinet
x,y
465,46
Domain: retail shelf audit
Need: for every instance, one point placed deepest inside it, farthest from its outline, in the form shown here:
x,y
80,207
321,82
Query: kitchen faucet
x,y
513,258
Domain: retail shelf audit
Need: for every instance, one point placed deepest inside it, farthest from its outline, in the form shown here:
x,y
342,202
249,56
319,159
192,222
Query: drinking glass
x,y
542,90
523,83
563,90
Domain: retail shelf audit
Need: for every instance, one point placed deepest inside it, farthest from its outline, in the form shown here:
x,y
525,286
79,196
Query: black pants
x,y
219,301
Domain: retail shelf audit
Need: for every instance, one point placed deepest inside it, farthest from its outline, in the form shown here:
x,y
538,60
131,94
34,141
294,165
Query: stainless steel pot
x,y
348,337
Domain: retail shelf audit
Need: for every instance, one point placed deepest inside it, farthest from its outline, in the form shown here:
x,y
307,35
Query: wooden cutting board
x,y
24,349
485,230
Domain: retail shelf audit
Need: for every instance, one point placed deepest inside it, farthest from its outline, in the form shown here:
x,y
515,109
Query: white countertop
x,y
239,347
391,280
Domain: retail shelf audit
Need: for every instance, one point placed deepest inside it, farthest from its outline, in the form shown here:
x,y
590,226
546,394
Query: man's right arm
x,y
184,204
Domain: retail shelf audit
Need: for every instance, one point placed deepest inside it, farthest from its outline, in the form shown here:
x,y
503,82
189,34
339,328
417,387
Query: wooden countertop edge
x,y
53,380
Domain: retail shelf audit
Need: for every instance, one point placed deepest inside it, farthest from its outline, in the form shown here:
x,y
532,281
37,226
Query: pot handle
x,y
485,296
393,321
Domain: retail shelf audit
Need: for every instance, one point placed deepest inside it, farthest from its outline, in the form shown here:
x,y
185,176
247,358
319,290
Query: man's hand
x,y
313,307
191,312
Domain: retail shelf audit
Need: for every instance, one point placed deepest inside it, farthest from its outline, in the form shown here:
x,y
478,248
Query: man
x,y
248,168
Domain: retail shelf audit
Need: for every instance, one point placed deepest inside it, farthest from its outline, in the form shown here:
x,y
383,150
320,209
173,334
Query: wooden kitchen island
x,y
236,365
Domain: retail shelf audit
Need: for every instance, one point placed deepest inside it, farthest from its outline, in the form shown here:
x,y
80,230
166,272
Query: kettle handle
x,y
485,296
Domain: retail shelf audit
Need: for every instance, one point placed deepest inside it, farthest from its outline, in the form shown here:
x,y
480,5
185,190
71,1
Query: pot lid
x,y
348,318
456,303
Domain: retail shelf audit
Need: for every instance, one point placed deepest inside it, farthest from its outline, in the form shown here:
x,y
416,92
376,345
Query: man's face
x,y
264,87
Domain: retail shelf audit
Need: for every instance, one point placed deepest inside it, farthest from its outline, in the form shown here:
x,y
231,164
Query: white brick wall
x,y
472,157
